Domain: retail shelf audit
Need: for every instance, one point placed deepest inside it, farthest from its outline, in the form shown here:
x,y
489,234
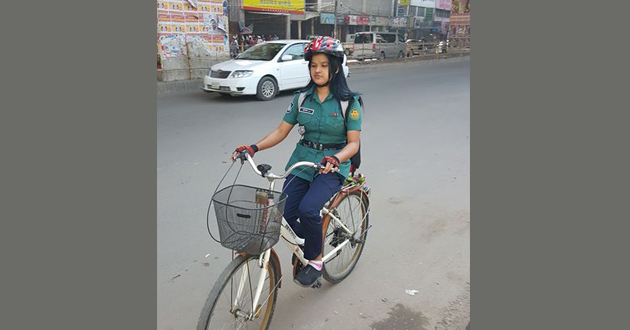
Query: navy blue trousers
x,y
305,201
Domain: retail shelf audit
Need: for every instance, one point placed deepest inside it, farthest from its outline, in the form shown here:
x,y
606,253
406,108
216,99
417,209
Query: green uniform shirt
x,y
324,123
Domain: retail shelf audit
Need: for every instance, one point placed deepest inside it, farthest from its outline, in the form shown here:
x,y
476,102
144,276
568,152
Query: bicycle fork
x,y
263,263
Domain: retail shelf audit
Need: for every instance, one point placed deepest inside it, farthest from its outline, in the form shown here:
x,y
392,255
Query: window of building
x,y
412,10
442,13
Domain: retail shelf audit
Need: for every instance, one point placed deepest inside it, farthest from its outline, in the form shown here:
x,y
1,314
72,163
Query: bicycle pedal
x,y
317,284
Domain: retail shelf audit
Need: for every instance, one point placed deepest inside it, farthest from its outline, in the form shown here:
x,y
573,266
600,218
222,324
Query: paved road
x,y
416,155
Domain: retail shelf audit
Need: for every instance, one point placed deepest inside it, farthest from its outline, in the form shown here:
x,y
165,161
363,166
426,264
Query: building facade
x,y
191,36
298,19
459,27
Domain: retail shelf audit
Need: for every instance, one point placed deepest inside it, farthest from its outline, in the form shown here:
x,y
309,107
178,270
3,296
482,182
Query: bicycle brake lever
x,y
242,156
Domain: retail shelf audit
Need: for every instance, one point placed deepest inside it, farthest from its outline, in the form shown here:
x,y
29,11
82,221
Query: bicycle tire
x,y
207,319
347,268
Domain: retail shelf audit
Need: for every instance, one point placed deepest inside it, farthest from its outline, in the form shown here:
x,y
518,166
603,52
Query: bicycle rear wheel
x,y
353,211
219,313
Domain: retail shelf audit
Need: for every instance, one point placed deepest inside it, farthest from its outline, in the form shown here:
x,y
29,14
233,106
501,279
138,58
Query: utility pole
x,y
335,28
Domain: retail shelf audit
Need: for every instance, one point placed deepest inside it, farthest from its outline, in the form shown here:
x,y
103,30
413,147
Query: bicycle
x,y
254,276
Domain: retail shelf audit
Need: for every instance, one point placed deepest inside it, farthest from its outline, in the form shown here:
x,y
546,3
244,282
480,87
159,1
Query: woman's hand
x,y
252,149
331,163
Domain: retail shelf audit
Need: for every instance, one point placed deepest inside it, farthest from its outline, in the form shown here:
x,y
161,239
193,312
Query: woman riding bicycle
x,y
326,139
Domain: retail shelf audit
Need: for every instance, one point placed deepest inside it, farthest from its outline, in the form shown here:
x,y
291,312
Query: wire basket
x,y
249,218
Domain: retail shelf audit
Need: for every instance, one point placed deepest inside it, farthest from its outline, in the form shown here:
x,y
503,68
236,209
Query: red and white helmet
x,y
326,45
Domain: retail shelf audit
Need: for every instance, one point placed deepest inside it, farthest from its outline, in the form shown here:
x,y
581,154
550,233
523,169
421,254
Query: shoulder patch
x,y
354,114
290,107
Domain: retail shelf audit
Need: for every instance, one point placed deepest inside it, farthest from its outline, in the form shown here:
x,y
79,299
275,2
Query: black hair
x,y
338,84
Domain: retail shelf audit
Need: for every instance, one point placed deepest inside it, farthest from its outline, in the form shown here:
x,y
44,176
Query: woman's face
x,y
319,69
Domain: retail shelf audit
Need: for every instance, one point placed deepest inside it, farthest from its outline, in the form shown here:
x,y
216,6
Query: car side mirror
x,y
286,58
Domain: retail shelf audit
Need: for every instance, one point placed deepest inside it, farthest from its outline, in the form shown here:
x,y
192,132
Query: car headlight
x,y
242,73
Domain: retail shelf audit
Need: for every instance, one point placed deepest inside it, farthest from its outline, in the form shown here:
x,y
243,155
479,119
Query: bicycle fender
x,y
274,256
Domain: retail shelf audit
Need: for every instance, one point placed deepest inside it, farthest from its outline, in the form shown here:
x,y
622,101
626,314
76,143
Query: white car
x,y
263,70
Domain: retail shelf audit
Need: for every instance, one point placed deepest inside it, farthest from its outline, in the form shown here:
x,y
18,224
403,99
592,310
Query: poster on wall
x,y
192,22
178,21
351,19
443,4
164,21
176,5
460,6
214,23
162,4
184,29
326,18
172,45
189,6
205,6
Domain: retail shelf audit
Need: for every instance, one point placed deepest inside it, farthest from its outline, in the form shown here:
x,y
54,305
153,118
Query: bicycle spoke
x,y
221,317
352,213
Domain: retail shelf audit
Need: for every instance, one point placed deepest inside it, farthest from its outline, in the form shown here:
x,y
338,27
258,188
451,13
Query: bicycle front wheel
x,y
230,303
353,211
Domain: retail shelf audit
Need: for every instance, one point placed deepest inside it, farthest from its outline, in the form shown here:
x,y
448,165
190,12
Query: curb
x,y
165,87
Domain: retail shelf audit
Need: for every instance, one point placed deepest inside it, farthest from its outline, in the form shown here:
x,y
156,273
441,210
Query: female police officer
x,y
326,139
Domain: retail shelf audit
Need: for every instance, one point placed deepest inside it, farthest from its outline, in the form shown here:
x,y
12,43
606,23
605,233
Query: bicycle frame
x,y
290,240
289,237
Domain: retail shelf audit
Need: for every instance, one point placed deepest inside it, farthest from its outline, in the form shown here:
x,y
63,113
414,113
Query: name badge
x,y
306,110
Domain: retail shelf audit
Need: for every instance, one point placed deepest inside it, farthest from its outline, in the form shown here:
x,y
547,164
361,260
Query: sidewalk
x,y
195,85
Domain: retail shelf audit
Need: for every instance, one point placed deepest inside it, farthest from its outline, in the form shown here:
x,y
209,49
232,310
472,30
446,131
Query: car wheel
x,y
267,89
400,54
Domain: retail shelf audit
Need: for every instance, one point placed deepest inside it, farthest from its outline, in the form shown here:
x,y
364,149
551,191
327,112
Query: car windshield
x,y
262,52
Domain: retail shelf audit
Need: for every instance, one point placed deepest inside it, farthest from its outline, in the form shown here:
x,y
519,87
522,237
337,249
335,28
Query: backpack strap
x,y
344,105
301,99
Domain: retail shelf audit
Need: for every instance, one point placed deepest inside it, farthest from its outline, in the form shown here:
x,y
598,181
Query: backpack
x,y
355,160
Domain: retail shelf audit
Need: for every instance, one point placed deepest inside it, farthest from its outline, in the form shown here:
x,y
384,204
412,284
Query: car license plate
x,y
215,85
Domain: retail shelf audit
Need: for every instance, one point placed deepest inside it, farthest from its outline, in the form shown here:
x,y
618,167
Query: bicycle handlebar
x,y
244,156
